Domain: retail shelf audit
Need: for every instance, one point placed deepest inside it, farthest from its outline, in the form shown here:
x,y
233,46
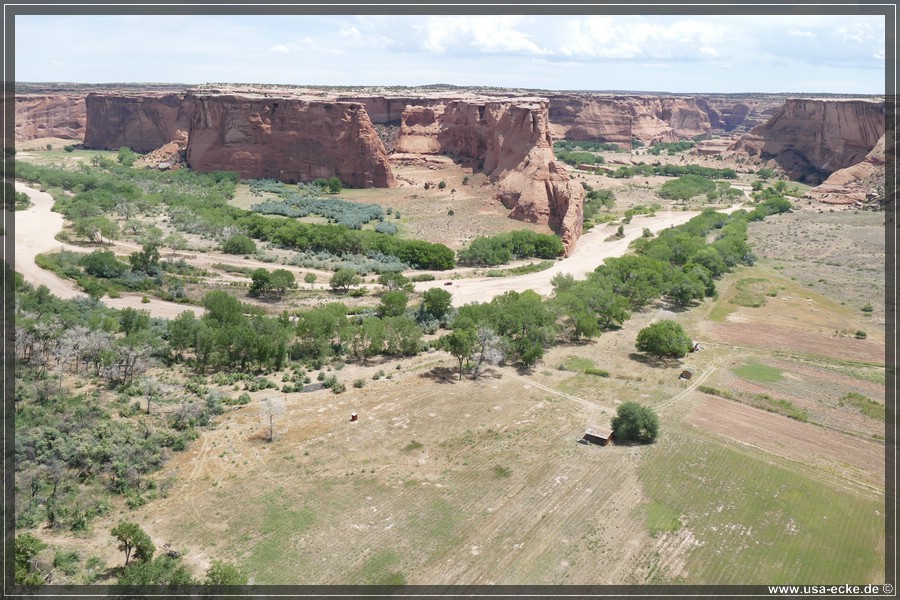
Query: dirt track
x,y
590,252
37,227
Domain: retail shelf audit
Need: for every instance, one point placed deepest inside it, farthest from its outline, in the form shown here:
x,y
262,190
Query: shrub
x,y
860,334
359,383
239,244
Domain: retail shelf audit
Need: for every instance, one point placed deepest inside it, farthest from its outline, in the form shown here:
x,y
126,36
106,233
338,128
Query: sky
x,y
678,54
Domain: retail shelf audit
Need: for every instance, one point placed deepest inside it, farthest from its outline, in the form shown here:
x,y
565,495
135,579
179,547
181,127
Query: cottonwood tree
x,y
270,409
634,422
461,344
663,338
133,539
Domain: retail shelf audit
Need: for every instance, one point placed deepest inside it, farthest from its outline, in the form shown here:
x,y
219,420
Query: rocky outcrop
x,y
619,119
142,123
288,139
810,139
388,109
419,129
41,116
859,183
519,154
510,141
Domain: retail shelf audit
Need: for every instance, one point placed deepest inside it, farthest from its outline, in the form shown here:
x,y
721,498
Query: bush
x,y
636,423
359,383
239,244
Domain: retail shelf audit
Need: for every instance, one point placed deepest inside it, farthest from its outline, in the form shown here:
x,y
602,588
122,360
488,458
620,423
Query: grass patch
x,y
759,373
866,406
661,519
377,570
780,406
757,521
413,445
277,524
501,472
752,292
575,363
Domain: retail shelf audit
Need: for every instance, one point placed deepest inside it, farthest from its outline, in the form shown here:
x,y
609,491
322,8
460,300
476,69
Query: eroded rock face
x,y
511,142
60,116
142,123
288,139
862,182
619,119
810,139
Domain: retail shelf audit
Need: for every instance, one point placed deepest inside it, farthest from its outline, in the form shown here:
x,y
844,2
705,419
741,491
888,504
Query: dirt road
x,y
36,229
37,226
590,252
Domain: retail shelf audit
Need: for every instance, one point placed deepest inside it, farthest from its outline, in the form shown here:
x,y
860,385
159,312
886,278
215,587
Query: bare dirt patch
x,y
852,458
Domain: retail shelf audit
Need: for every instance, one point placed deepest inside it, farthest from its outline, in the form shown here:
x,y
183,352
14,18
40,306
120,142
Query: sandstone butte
x,y
44,116
810,139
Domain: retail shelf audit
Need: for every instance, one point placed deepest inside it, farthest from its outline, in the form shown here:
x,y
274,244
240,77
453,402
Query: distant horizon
x,y
442,85
833,54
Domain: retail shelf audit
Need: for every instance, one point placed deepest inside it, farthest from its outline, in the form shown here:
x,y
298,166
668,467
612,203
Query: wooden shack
x,y
598,435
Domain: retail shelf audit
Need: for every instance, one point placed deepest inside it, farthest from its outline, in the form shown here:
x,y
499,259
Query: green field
x,y
759,520
759,373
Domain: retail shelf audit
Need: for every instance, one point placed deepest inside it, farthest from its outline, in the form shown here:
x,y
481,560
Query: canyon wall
x,y
142,123
511,142
288,139
810,139
859,183
41,116
620,119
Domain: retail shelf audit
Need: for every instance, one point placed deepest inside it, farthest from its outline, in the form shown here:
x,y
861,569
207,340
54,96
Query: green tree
x,y
460,344
103,263
663,338
393,304
395,281
636,423
146,260
222,573
133,539
343,279
239,244
437,302
335,186
282,280
260,282
310,278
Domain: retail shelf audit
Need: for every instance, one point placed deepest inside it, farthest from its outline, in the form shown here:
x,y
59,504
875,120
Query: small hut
x,y
598,435
686,374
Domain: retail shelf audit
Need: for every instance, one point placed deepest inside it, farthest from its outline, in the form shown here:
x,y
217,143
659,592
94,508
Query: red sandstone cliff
x,y
618,119
861,182
40,116
288,139
511,140
143,123
811,139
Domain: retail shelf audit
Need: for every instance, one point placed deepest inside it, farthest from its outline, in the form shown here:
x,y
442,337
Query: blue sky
x,y
838,54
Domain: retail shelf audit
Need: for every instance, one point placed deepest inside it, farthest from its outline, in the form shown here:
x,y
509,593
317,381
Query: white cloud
x,y
280,49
